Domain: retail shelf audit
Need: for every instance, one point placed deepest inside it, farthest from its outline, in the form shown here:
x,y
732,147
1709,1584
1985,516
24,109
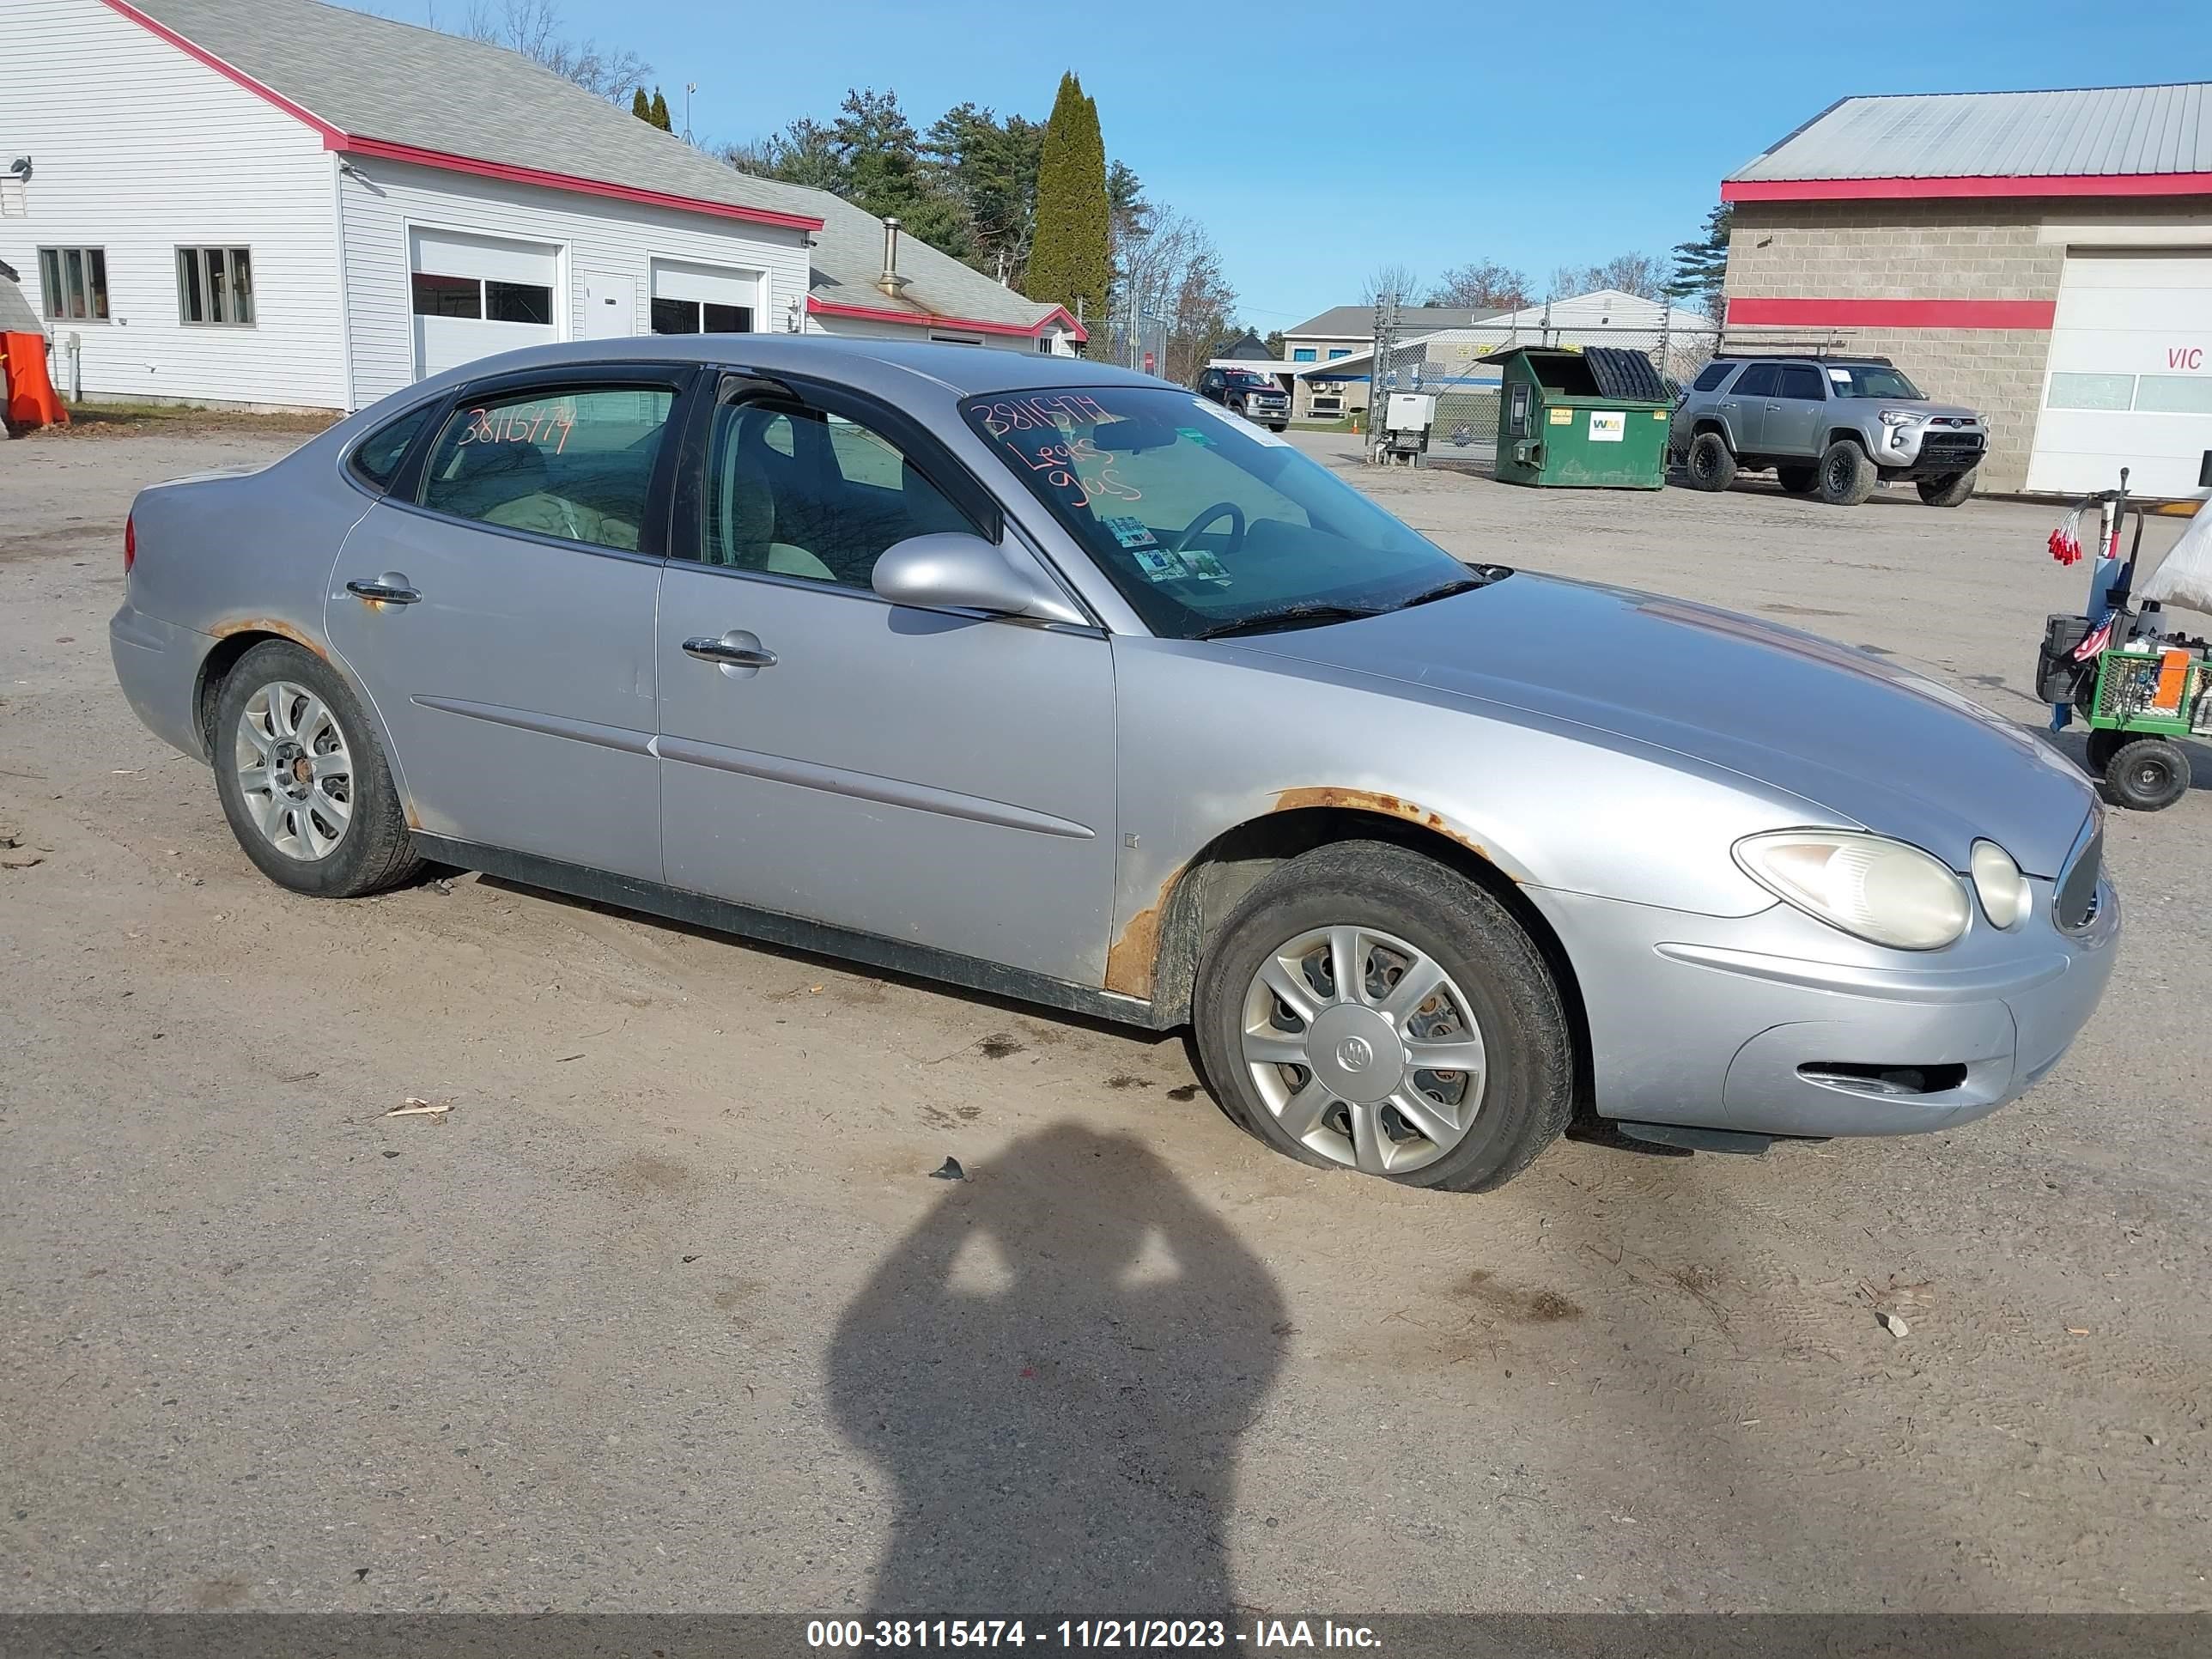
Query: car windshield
x,y
1206,523
1869,380
1246,377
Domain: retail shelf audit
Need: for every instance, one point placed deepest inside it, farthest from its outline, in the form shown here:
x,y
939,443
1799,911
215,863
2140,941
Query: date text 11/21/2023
x,y
1265,1635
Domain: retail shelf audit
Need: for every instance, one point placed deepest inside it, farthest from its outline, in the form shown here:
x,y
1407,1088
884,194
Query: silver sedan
x,y
1061,683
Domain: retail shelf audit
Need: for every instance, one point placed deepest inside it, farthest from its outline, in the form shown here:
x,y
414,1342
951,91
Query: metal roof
x,y
1357,322
395,84
2088,131
16,316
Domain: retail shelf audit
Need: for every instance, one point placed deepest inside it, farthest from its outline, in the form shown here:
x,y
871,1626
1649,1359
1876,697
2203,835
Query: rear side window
x,y
376,458
1713,374
1760,380
1799,381
571,462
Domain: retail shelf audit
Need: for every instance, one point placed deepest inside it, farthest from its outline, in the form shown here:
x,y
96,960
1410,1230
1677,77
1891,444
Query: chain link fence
x,y
1451,365
1131,339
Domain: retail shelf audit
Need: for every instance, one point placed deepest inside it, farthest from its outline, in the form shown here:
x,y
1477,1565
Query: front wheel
x,y
301,780
1367,1008
1712,464
1847,474
2148,774
1949,491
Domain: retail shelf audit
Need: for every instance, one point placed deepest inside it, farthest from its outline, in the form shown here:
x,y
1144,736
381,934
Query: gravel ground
x,y
666,1315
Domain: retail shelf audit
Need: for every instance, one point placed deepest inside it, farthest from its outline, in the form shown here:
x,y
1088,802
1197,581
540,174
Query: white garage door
x,y
474,295
688,298
2130,380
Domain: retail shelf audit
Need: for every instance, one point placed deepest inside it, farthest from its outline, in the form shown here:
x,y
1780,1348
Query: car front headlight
x,y
1869,886
1901,417
2004,892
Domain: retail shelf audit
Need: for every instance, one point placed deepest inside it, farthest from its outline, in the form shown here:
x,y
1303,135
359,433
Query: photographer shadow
x,y
1053,1368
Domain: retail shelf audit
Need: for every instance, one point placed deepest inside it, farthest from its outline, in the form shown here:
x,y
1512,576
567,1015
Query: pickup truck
x,y
1260,398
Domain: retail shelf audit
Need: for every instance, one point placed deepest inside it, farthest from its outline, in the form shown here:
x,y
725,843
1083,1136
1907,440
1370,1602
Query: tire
x,y
1278,426
1847,475
269,702
1711,464
1950,491
2148,775
1397,907
2104,743
1798,480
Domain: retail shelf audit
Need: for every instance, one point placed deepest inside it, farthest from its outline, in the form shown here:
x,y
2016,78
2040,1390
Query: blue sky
x,y
1532,146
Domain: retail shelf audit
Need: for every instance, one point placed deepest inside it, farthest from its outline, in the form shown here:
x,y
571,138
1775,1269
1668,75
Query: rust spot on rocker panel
x,y
270,625
1131,959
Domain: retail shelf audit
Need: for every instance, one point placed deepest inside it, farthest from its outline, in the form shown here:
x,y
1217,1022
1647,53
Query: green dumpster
x,y
1593,417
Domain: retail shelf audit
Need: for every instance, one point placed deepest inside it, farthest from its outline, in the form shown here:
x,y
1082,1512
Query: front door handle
x,y
732,651
390,588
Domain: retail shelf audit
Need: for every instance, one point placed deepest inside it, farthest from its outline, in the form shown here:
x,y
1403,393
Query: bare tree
x,y
535,30
1400,281
1173,272
1644,275
1485,285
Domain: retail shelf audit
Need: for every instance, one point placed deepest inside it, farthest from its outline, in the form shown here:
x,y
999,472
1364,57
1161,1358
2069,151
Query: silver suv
x,y
1830,426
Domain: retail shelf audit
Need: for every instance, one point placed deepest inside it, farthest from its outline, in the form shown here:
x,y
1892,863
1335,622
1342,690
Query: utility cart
x,y
2139,686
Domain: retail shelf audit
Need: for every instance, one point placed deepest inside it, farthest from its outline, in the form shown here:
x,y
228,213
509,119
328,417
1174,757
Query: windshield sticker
x,y
1204,566
1193,434
1130,532
1159,564
1840,376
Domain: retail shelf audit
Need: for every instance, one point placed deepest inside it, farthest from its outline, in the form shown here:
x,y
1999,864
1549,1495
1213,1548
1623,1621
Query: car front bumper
x,y
1772,1024
1938,451
157,663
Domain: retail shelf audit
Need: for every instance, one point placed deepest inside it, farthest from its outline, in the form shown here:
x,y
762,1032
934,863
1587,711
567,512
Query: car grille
x,y
1960,445
2076,906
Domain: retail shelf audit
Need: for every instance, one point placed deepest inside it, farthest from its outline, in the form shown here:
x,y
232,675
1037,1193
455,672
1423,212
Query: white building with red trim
x,y
281,204
2044,256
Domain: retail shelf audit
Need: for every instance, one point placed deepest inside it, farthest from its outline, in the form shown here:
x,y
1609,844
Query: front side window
x,y
215,285
1203,521
794,491
1870,381
574,463
73,282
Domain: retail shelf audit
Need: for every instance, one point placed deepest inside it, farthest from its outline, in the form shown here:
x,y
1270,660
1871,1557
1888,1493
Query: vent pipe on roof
x,y
891,281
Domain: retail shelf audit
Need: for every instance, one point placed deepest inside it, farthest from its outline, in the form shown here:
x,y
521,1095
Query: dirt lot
x,y
667,1314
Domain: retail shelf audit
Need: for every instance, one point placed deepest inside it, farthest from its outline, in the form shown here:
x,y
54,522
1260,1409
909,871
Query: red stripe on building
x,y
1894,313
1852,190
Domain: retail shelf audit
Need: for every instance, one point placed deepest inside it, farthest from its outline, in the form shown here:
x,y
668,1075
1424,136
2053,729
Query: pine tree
x,y
659,116
1701,267
1069,264
640,106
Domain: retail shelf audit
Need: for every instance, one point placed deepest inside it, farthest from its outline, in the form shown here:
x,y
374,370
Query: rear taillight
x,y
130,545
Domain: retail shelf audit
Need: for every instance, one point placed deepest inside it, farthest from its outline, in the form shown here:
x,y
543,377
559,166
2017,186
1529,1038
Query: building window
x,y
700,317
2088,391
2175,394
214,285
74,283
1044,344
1305,354
477,299
1334,352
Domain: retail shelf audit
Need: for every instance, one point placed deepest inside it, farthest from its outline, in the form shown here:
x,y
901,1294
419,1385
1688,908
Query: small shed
x,y
1592,416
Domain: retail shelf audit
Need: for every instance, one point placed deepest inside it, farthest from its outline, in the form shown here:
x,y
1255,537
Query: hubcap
x,y
294,770
1363,1049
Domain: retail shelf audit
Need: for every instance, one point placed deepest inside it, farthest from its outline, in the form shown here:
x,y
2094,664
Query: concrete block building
x,y
2044,256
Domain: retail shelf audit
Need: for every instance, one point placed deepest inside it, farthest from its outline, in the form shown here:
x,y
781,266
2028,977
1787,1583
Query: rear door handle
x,y
730,654
387,589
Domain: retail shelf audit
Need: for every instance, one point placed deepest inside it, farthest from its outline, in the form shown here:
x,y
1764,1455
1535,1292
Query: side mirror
x,y
953,571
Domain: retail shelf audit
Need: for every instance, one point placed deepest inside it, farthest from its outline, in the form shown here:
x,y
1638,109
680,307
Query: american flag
x,y
2098,640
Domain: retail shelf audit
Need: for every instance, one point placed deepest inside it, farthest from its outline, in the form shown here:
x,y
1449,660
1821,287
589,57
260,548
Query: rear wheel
x,y
301,780
1366,1008
1711,464
2148,774
1847,475
1798,480
1949,491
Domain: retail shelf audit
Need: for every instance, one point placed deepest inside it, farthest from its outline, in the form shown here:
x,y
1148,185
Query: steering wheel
x,y
1236,516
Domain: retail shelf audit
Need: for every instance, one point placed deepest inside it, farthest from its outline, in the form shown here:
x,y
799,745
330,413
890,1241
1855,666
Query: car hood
x,y
1870,741
1950,411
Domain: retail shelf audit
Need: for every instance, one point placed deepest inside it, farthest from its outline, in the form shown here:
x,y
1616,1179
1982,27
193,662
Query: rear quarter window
x,y
376,458
1710,378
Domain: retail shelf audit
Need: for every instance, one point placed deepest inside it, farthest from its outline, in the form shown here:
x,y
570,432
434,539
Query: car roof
x,y
1852,360
884,367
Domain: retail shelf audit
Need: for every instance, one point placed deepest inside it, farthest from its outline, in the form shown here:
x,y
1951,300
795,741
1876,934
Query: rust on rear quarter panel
x,y
270,625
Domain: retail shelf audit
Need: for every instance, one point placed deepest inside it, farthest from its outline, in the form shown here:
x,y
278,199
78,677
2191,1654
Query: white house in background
x,y
283,203
1450,357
